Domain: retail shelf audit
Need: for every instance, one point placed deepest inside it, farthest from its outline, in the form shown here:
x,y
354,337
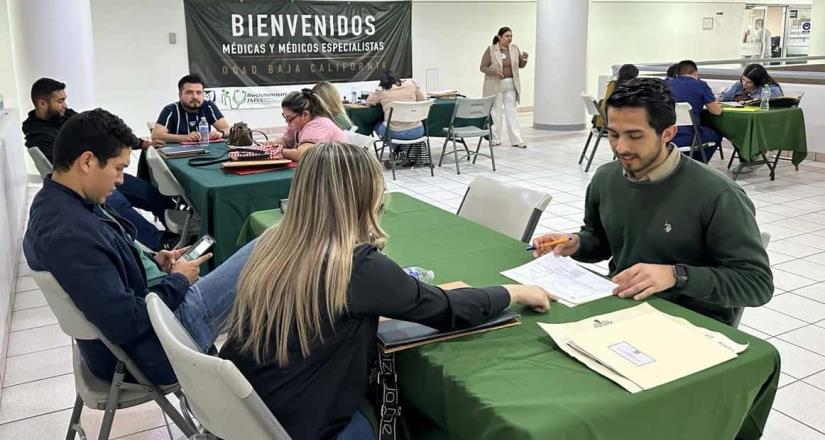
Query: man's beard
x,y
188,107
55,114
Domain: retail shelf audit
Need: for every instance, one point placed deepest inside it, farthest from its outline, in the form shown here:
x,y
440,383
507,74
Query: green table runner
x,y
516,384
224,201
438,119
753,133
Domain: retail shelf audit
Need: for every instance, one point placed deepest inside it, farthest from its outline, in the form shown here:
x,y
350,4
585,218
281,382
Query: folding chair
x,y
407,112
592,107
41,162
92,391
512,210
685,117
470,108
183,220
220,397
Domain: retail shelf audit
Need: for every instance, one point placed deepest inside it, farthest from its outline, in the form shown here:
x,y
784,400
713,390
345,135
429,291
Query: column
x,y
561,64
817,41
53,38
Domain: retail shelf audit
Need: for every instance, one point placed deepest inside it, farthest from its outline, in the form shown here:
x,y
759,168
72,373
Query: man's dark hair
x,y
687,67
44,87
653,95
387,79
672,71
626,72
190,79
98,131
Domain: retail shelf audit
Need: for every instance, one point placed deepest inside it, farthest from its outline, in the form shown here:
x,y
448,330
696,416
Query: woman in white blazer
x,y
500,64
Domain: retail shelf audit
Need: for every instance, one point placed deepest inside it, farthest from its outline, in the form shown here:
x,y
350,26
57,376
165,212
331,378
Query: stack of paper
x,y
640,348
570,283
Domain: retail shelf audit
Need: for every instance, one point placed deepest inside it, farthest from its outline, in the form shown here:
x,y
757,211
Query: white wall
x,y
637,32
137,69
8,87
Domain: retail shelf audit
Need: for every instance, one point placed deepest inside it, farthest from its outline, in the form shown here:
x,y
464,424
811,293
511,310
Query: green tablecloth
x,y
757,132
516,384
224,201
438,119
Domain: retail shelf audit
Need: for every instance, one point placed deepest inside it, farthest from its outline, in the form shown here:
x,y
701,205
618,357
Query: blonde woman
x,y
303,328
329,94
500,64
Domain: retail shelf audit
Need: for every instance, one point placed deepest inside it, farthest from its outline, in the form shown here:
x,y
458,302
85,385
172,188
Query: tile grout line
x,y
798,421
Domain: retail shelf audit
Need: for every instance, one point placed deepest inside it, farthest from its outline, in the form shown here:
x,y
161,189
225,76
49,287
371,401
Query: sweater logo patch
x,y
668,227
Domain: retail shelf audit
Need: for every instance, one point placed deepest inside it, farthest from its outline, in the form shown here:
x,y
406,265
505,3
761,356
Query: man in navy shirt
x,y
90,251
687,87
178,122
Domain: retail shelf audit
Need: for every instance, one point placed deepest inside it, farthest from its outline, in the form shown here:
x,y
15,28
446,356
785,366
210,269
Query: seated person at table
x,y
392,89
40,129
329,94
303,329
626,72
687,87
308,122
178,122
672,72
90,250
750,85
671,227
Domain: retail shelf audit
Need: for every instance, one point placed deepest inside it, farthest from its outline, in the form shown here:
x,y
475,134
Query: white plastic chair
x,y
41,162
470,108
92,391
592,108
183,219
407,112
358,139
511,210
685,117
220,397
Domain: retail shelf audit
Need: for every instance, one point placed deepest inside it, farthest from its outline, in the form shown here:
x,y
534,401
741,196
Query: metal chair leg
x,y
732,156
111,402
478,148
455,155
592,154
492,156
74,421
430,158
721,154
443,150
586,144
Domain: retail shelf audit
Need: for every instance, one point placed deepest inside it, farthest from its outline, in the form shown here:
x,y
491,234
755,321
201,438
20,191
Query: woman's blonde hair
x,y
329,94
306,261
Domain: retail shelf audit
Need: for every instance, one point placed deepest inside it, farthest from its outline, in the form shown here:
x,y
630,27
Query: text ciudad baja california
x,y
272,25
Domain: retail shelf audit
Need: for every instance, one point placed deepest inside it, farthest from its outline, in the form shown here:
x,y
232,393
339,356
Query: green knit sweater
x,y
696,216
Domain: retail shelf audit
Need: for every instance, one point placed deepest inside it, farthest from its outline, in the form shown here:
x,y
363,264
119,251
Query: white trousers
x,y
506,98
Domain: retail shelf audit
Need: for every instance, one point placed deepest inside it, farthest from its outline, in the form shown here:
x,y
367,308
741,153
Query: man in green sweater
x,y
672,226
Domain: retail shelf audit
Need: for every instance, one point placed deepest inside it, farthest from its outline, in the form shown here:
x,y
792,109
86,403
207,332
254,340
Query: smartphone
x,y
199,248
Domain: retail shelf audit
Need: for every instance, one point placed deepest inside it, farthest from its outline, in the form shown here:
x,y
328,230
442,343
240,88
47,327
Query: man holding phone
x,y
91,252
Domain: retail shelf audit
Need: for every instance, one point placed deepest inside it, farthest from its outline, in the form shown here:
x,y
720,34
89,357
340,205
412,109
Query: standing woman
x,y
500,64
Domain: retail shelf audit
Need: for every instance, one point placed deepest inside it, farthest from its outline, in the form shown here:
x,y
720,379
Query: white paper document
x,y
637,349
563,278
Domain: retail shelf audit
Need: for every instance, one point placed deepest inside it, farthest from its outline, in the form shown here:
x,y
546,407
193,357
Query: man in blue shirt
x,y
178,122
687,87
91,252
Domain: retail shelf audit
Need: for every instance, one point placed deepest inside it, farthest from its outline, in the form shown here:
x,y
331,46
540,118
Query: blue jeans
x,y
404,135
147,233
359,428
144,196
208,302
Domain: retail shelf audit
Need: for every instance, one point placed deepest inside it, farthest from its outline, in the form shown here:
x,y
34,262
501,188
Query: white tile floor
x,y
38,389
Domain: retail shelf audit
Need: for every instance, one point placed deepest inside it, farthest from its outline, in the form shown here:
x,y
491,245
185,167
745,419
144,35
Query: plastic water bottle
x,y
203,131
423,275
764,100
354,97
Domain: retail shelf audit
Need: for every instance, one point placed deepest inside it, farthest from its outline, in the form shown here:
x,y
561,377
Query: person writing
x,y
304,325
309,121
749,87
500,65
671,226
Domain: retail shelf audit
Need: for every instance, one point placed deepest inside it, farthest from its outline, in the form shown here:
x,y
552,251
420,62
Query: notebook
x,y
182,151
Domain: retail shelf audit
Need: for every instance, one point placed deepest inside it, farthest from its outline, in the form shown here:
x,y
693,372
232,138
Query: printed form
x,y
563,278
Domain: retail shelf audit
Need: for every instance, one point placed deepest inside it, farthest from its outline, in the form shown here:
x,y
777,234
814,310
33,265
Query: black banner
x,y
269,43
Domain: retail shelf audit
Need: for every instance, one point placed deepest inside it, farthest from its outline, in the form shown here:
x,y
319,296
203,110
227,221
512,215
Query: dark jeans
x,y
143,195
147,233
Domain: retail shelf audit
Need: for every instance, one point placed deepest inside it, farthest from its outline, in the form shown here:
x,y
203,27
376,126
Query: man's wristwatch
x,y
680,273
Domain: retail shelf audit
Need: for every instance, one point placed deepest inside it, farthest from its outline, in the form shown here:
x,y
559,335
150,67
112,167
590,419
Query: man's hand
x,y
562,245
642,280
193,137
531,296
215,135
190,269
166,259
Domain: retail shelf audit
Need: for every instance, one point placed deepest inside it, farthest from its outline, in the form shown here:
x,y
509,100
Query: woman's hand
x,y
500,75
